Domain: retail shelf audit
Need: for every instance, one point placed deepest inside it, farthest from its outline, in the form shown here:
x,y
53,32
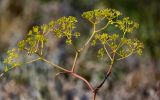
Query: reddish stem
x,y
83,79
94,96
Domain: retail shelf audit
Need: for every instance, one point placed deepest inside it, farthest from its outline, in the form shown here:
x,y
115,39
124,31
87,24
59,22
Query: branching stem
x,y
90,38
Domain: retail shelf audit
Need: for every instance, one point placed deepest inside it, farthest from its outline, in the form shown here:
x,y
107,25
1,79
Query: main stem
x,y
105,78
75,60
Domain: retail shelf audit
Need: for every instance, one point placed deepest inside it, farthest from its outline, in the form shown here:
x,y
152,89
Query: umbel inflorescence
x,y
114,46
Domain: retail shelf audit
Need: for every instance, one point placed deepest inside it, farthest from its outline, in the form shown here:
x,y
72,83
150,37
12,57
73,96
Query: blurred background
x,y
135,78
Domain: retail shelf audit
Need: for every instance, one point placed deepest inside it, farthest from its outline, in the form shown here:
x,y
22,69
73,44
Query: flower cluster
x,y
126,25
37,36
64,28
131,46
34,43
98,15
123,47
114,43
11,60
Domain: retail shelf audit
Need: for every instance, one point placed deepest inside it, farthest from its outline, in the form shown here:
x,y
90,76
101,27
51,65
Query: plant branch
x,y
120,44
90,87
54,65
107,52
94,95
112,61
60,73
33,60
4,72
74,63
90,38
126,56
100,85
105,78
83,79
102,27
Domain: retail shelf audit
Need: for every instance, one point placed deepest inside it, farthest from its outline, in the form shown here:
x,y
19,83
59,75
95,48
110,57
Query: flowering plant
x,y
114,46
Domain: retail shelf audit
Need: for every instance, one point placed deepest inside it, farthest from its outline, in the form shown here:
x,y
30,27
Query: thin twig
x,y
4,72
107,52
33,60
74,63
60,73
90,38
126,56
54,65
102,28
111,65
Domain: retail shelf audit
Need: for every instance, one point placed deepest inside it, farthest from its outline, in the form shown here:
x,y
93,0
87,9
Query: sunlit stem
x,y
33,60
74,63
54,65
112,62
90,38
120,44
17,66
102,27
107,52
